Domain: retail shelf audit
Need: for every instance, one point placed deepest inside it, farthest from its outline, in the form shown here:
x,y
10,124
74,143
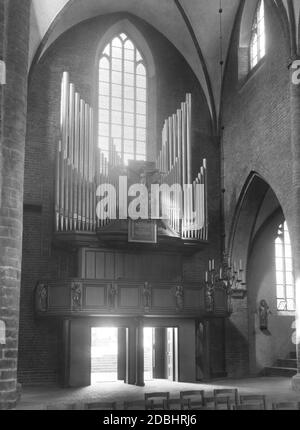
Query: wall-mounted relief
x,y
147,296
263,315
41,297
76,296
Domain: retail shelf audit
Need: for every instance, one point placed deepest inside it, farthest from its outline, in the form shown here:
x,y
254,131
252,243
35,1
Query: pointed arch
x,y
126,93
245,19
245,219
133,33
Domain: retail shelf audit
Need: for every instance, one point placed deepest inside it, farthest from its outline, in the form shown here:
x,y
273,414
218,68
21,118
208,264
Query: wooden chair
x,y
209,403
176,404
137,405
157,400
197,396
100,406
198,406
287,406
62,407
248,407
256,400
224,396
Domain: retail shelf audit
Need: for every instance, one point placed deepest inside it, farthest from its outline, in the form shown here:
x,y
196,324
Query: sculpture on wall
x,y
147,296
112,295
77,296
41,297
263,313
179,294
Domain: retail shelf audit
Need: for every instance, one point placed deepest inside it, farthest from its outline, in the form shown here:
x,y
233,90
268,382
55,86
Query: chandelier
x,y
229,277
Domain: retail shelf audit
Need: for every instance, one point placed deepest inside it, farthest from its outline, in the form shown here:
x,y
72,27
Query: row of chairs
x,y
226,399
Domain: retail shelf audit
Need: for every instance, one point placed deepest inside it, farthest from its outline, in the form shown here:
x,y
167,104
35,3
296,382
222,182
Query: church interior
x,y
149,204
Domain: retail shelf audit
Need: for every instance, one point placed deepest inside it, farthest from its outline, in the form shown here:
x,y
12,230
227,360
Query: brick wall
x,y
12,172
256,117
75,52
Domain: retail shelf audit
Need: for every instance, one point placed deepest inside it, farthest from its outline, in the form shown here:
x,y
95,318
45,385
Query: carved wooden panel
x,y
100,265
193,298
163,299
141,266
95,296
129,297
59,297
220,300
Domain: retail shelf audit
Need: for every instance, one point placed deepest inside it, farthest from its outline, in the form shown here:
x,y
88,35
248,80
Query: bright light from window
x,y
258,37
284,271
123,100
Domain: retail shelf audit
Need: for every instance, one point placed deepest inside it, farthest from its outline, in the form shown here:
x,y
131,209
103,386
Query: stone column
x,y
12,150
295,200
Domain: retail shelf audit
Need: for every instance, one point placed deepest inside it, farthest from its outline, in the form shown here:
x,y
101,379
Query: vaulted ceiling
x,y
193,26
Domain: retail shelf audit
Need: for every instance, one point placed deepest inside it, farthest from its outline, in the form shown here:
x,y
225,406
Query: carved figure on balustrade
x,y
209,297
179,294
112,295
77,296
41,297
147,296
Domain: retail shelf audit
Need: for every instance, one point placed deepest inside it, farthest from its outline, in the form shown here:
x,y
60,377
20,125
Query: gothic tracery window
x,y
123,100
284,270
258,36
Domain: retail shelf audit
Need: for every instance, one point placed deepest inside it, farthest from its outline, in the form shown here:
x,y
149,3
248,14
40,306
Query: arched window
x,y
123,99
258,35
284,270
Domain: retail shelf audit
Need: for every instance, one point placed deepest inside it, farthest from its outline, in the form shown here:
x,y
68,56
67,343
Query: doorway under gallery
x,y
161,354
108,354
104,354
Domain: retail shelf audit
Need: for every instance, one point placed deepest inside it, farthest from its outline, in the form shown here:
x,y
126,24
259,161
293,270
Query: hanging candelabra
x,y
229,277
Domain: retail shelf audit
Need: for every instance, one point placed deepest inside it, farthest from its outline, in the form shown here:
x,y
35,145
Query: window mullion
x,y
284,269
135,106
123,103
110,102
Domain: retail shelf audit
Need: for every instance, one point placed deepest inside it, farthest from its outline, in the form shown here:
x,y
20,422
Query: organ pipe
x,y
81,167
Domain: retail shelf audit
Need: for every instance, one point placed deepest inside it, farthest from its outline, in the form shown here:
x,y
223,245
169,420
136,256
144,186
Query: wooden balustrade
x,y
126,298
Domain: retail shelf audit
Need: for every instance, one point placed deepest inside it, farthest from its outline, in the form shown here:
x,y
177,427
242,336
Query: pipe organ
x,y
81,167
175,166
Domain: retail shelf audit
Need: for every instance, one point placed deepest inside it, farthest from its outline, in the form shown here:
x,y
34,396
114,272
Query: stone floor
x,y
276,389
